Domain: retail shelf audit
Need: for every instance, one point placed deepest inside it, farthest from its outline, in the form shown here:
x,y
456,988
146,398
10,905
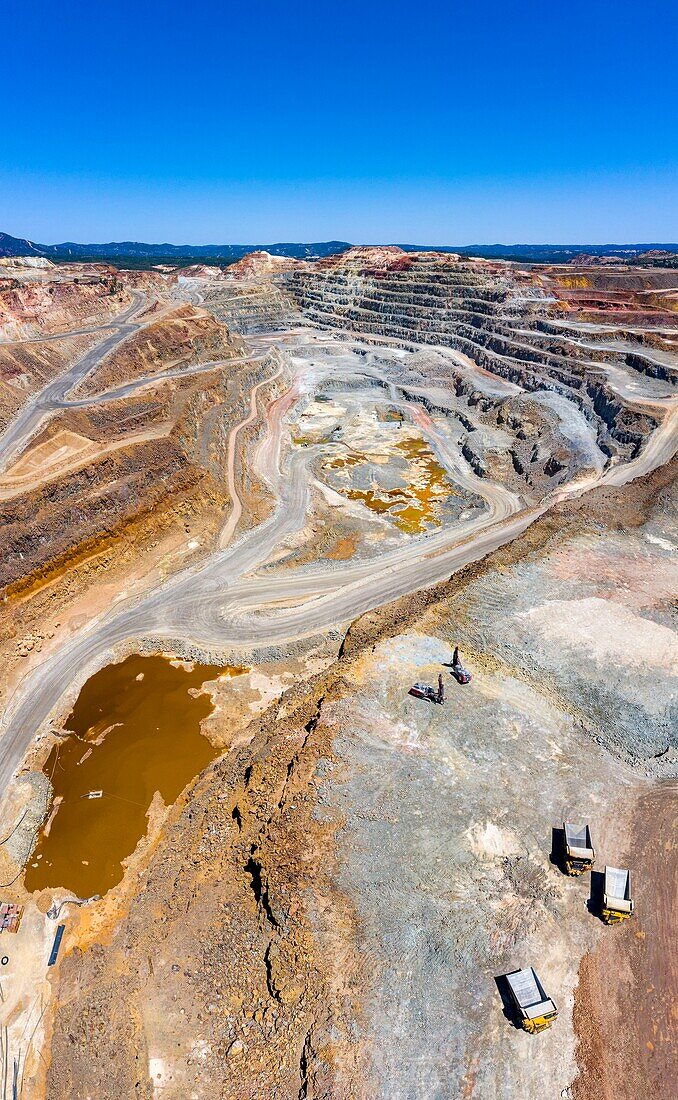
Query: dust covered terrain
x,y
269,499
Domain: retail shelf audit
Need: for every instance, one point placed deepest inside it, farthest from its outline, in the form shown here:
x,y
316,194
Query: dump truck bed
x,y
578,841
529,995
618,888
616,882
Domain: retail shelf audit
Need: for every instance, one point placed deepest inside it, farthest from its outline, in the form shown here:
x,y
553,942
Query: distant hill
x,y
555,253
17,246
181,253
138,254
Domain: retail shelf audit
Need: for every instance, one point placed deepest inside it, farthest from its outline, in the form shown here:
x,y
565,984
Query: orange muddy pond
x,y
135,730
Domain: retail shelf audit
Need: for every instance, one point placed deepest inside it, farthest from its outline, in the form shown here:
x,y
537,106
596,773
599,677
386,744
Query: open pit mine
x,y
337,690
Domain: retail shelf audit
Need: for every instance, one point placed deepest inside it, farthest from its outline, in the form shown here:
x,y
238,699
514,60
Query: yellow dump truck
x,y
579,853
535,1009
617,900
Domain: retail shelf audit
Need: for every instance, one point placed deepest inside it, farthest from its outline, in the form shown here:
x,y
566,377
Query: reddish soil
x,y
626,1008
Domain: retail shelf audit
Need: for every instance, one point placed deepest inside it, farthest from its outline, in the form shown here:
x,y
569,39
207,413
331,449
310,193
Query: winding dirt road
x,y
223,603
24,426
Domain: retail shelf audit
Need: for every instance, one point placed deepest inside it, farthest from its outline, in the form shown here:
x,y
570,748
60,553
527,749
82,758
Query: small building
x,y
10,916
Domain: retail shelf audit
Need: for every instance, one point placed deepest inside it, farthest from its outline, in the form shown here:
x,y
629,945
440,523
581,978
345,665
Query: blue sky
x,y
363,120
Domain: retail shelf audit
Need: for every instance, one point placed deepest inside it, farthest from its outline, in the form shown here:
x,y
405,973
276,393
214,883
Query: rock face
x,y
75,511
27,366
178,337
36,309
31,262
258,264
508,322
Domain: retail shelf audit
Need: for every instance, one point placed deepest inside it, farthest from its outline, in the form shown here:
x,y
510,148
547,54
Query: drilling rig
x,y
425,691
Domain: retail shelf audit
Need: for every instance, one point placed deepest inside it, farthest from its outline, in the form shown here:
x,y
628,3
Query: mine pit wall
x,y
226,392
49,525
568,342
185,336
610,279
117,516
110,421
40,609
97,501
30,310
249,308
207,424
468,323
652,369
26,367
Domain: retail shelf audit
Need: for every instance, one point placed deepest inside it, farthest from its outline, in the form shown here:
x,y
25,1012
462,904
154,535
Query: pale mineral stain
x,y
412,507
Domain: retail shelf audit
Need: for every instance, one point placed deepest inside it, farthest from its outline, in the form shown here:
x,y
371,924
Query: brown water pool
x,y
135,730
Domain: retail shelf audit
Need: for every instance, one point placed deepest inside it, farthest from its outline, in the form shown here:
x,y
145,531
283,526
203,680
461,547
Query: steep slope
x,y
18,246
